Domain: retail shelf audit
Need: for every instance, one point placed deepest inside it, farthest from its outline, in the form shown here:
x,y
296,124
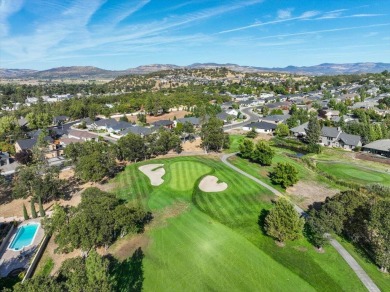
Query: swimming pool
x,y
24,236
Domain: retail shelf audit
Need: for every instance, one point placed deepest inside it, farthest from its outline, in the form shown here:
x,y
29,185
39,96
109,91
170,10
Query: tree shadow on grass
x,y
261,220
129,274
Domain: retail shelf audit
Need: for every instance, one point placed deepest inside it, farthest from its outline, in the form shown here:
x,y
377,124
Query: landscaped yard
x,y
211,241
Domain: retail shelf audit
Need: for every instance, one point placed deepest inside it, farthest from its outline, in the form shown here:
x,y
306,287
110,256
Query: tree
x,y
313,131
131,147
263,153
315,228
264,111
25,214
284,174
379,233
283,222
33,211
282,130
212,135
141,118
96,222
252,133
42,212
24,157
38,283
123,119
95,166
246,148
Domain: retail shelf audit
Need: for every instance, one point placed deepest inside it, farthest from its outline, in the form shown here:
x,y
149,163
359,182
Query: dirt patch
x,y
58,258
306,193
126,246
209,184
66,174
370,157
300,248
192,146
155,175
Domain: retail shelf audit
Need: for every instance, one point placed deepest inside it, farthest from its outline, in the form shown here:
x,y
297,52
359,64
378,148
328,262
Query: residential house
x,y
334,137
192,120
225,117
300,131
260,127
58,120
168,124
276,119
329,114
380,147
82,135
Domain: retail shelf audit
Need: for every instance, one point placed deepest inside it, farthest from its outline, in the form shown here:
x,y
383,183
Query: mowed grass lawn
x,y
215,244
354,173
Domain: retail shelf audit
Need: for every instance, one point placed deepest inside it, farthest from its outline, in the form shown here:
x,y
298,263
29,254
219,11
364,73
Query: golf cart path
x,y
362,275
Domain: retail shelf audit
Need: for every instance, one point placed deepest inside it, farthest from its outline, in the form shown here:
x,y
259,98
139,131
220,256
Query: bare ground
x,y
306,193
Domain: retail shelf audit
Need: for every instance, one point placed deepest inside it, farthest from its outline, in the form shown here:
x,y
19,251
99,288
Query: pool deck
x,y
11,259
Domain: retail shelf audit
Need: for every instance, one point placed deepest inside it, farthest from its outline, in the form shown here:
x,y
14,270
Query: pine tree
x,y
283,222
42,212
313,132
25,214
33,211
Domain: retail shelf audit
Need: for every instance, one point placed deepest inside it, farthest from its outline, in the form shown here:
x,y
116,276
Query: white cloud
x,y
7,8
284,13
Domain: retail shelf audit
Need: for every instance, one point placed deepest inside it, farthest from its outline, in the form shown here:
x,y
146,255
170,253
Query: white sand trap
x,y
155,175
209,184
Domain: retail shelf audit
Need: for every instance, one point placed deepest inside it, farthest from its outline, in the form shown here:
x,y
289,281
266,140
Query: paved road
x,y
253,117
362,275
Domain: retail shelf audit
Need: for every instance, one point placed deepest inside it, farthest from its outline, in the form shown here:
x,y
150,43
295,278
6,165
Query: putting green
x,y
184,174
354,173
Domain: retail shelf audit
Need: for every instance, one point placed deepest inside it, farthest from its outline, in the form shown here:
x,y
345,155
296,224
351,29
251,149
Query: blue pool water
x,y
24,236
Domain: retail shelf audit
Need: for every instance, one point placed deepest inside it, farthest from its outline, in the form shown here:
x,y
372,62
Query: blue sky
x,y
114,34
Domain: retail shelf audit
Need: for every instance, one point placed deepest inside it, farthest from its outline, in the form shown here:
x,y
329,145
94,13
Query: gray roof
x,y
106,123
162,123
30,143
349,139
263,125
382,145
191,120
330,132
137,130
224,116
22,122
276,118
300,129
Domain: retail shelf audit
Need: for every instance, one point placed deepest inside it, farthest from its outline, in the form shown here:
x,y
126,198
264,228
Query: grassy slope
x,y
197,252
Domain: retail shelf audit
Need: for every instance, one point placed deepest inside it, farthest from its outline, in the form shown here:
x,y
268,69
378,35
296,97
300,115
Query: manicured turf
x,y
382,280
184,174
354,173
216,244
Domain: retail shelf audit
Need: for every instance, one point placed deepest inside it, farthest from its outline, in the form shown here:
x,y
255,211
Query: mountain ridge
x,y
95,72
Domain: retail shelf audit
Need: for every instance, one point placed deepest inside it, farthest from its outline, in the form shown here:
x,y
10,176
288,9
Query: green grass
x,y
46,268
354,173
235,141
216,244
382,280
185,173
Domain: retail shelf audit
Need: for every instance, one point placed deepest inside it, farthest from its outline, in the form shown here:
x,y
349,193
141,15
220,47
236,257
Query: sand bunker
x,y
155,175
209,184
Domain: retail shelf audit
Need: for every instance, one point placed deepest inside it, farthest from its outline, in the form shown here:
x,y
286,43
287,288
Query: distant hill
x,y
86,72
14,73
